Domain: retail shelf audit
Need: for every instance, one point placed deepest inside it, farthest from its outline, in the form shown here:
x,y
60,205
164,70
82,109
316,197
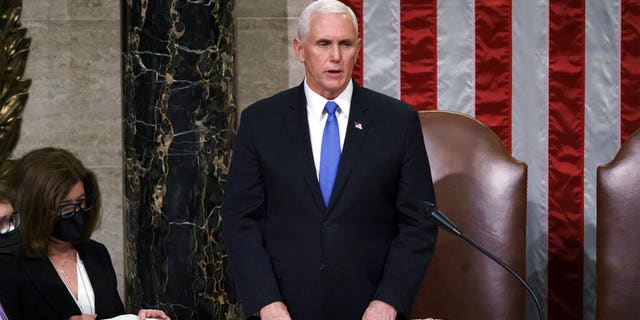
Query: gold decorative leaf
x,y
9,140
12,108
14,51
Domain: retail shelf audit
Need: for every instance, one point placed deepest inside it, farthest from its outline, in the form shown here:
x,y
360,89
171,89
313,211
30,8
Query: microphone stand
x,y
448,225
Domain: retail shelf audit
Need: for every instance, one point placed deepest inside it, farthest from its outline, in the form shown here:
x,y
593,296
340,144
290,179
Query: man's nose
x,y
335,52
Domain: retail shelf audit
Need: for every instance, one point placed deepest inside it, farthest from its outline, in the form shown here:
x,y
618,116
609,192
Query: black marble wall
x,y
179,114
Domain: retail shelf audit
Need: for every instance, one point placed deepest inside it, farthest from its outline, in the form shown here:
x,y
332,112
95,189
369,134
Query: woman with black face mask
x,y
9,241
61,273
9,237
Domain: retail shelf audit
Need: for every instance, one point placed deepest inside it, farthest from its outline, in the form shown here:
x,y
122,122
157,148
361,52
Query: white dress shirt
x,y
317,118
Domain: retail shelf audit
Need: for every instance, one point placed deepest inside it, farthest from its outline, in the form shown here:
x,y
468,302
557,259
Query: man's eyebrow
x,y
337,41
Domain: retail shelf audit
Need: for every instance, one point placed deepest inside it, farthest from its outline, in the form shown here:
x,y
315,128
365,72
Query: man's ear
x,y
297,46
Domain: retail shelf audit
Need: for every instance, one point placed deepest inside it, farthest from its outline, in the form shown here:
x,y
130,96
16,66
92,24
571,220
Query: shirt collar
x,y
315,102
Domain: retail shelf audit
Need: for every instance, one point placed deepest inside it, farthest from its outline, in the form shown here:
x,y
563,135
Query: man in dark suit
x,y
323,215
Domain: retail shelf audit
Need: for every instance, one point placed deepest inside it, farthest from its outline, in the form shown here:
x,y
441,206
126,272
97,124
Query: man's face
x,y
329,53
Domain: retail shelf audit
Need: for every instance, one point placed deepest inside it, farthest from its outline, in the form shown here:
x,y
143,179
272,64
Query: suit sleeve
x,y
411,250
243,214
116,307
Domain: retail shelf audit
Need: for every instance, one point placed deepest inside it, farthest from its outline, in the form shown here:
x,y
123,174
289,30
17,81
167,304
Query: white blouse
x,y
86,298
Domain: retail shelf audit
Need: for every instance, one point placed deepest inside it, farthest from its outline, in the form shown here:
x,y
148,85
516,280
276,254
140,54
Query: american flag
x,y
557,80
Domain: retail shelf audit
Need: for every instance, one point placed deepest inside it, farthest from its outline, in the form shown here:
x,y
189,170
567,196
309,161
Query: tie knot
x,y
330,107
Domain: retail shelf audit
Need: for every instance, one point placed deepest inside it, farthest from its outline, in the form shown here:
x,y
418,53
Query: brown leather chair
x,y
618,238
482,189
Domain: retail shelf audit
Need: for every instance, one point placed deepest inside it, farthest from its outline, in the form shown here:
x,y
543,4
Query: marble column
x,y
179,118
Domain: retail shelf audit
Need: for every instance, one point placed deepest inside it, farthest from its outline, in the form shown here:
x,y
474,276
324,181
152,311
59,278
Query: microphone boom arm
x,y
447,224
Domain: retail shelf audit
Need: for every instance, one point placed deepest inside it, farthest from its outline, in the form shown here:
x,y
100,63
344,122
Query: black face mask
x,y
9,246
69,229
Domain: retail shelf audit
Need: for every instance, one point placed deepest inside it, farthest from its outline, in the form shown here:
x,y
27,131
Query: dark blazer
x,y
31,288
374,240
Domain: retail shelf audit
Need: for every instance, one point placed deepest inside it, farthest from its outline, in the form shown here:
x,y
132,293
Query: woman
x,y
9,243
62,273
9,222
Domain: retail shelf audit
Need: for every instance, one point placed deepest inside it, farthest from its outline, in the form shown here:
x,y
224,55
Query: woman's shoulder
x,y
14,273
91,248
7,268
91,244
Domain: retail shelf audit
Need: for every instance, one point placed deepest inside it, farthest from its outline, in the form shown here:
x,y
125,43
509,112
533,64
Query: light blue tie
x,y
330,152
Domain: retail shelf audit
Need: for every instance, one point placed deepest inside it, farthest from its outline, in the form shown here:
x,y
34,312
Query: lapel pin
x,y
358,125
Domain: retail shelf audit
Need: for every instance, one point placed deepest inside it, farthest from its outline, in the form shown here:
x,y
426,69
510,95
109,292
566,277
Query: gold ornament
x,y
14,50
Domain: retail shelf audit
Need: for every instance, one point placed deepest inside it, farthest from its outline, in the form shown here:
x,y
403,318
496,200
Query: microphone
x,y
448,225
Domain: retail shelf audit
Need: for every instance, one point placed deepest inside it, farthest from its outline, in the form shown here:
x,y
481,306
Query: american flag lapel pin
x,y
358,125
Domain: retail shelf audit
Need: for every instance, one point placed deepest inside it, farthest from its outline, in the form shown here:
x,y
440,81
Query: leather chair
x,y
482,189
618,239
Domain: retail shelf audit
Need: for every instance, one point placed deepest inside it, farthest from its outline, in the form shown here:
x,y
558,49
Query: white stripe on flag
x,y
381,36
456,56
602,121
530,126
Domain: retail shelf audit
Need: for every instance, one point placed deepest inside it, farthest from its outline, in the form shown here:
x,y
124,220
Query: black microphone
x,y
448,225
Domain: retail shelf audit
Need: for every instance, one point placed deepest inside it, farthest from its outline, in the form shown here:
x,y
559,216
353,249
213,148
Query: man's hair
x,y
323,6
41,179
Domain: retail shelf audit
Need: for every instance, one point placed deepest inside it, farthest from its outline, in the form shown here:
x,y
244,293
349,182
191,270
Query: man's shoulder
x,y
280,100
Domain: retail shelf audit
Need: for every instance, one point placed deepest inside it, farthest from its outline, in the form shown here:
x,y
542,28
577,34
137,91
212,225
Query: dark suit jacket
x,y
374,240
31,288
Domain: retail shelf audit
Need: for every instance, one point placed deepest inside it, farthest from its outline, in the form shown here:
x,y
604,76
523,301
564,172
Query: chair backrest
x,y
482,189
618,239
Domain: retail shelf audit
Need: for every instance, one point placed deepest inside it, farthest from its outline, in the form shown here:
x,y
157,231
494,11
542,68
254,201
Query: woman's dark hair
x,y
40,180
6,197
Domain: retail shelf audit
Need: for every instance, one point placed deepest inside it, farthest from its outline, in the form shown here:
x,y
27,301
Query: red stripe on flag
x,y
493,66
630,68
566,161
418,57
356,6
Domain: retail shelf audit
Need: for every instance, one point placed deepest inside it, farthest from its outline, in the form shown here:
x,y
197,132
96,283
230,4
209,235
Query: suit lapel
x,y
94,270
51,288
298,126
357,128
